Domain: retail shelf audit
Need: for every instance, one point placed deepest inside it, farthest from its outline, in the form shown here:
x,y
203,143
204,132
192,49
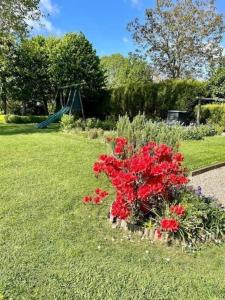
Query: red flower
x,y
158,233
97,200
179,210
170,225
87,199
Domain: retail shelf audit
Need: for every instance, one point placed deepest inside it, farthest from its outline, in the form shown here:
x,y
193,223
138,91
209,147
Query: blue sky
x,y
102,21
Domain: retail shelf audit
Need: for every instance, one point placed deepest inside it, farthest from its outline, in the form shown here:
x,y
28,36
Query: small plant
x,y
67,122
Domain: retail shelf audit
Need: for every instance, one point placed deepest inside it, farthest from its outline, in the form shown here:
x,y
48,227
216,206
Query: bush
x,y
2,118
151,192
154,98
24,119
68,122
141,130
213,114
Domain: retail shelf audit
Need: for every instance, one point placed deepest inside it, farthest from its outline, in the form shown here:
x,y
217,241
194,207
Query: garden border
x,y
207,169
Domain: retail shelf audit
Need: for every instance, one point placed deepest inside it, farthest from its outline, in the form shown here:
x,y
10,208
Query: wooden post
x,y
199,112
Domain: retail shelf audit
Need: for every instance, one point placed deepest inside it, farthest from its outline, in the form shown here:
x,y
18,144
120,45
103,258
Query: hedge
x,y
213,114
24,119
154,98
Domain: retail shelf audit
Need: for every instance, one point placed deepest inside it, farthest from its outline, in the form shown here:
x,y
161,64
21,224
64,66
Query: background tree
x,y
181,38
14,16
73,60
31,81
216,84
120,70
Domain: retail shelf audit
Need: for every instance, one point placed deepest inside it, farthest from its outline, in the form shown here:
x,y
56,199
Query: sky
x,y
102,21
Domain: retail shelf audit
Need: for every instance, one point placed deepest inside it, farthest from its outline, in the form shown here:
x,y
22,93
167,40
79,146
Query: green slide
x,y
53,118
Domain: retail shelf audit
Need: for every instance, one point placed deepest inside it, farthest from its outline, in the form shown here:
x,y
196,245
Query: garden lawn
x,y
52,246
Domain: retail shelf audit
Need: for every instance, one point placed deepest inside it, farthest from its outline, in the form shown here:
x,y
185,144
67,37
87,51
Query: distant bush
x,y
2,119
68,123
24,119
141,130
213,114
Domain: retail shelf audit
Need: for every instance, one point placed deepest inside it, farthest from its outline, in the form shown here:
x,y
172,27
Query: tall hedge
x,y
213,114
154,98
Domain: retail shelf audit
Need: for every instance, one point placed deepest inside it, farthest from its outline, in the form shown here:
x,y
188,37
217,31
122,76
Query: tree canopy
x,y
120,70
14,16
181,38
39,65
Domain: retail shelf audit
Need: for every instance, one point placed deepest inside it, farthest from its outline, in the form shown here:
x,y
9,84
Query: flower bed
x,y
151,192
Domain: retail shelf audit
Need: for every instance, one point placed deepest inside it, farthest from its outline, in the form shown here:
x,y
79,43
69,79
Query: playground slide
x,y
53,118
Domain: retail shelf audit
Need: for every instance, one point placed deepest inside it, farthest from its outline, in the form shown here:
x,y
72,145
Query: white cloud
x,y
135,2
45,25
125,40
47,6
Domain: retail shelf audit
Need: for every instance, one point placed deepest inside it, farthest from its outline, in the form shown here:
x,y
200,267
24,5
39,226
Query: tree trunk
x,y
4,100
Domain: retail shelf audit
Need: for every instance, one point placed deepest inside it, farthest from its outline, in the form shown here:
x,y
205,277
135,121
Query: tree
x,y
31,80
120,70
181,38
14,16
216,84
73,60
7,58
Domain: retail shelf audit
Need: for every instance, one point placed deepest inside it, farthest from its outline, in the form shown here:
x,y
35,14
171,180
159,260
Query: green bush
x,y
24,119
2,118
213,114
140,130
204,221
68,122
154,98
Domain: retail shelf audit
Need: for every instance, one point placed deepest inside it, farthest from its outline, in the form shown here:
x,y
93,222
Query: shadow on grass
x,y
13,129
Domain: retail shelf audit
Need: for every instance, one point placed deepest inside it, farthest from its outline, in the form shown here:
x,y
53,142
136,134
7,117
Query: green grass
x,y
54,247
203,153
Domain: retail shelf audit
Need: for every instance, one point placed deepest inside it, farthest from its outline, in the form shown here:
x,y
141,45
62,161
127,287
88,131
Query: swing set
x,y
70,101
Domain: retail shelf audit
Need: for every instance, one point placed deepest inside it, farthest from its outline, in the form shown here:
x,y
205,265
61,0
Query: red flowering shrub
x,y
144,181
179,210
171,225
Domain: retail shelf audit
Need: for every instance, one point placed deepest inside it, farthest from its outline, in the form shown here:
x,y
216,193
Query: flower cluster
x,y
171,225
178,210
97,198
142,180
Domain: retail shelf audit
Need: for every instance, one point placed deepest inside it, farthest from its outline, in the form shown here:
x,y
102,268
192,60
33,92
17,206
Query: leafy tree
x,y
14,16
181,38
120,70
73,60
7,58
31,80
216,84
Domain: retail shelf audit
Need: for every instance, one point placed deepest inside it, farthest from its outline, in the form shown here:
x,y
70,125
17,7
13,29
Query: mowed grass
x,y
52,246
203,153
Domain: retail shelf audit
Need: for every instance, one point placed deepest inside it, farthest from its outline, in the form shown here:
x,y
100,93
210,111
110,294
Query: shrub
x,y
213,114
94,133
141,130
2,118
154,98
24,119
67,122
151,192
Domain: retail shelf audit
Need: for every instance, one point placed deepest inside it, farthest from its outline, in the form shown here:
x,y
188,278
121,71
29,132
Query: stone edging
x,y
206,169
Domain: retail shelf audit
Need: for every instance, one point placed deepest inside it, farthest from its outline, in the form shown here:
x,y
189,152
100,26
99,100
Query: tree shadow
x,y
14,129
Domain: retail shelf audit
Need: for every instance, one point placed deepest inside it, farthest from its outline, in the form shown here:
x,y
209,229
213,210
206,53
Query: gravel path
x,y
212,183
